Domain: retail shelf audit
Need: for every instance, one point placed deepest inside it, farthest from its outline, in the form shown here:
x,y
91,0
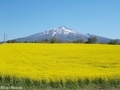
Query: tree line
x,y
90,40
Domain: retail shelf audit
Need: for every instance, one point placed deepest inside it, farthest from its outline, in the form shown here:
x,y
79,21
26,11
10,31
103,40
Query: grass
x,y
26,83
60,66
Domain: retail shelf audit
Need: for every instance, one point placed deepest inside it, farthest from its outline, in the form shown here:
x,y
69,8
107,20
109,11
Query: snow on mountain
x,y
62,33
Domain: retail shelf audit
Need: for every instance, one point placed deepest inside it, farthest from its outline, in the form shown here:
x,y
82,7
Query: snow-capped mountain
x,y
62,33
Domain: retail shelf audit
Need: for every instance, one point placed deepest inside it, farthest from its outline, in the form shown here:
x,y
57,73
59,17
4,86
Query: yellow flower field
x,y
60,61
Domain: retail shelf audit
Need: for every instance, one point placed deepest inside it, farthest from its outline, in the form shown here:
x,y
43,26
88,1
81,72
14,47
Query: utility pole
x,y
4,38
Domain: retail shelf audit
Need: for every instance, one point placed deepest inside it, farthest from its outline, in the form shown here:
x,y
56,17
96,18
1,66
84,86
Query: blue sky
x,y
19,18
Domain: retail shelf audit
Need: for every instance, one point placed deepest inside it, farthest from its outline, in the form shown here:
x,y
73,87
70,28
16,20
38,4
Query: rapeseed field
x,y
60,62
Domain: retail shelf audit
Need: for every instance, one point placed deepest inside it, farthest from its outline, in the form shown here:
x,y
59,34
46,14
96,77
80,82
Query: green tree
x,y
114,41
78,41
53,40
92,40
25,41
11,41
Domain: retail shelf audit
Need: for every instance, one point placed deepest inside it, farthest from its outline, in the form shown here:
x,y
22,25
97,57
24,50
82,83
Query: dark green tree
x,y
25,41
53,40
11,41
78,41
92,40
114,41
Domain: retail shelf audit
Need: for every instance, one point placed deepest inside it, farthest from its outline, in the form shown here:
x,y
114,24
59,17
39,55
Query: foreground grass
x,y
86,84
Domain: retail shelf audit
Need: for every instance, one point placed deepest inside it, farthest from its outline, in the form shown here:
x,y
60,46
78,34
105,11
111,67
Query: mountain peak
x,y
64,30
62,27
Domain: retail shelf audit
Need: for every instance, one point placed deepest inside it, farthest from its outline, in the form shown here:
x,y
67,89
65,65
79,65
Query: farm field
x,y
61,62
